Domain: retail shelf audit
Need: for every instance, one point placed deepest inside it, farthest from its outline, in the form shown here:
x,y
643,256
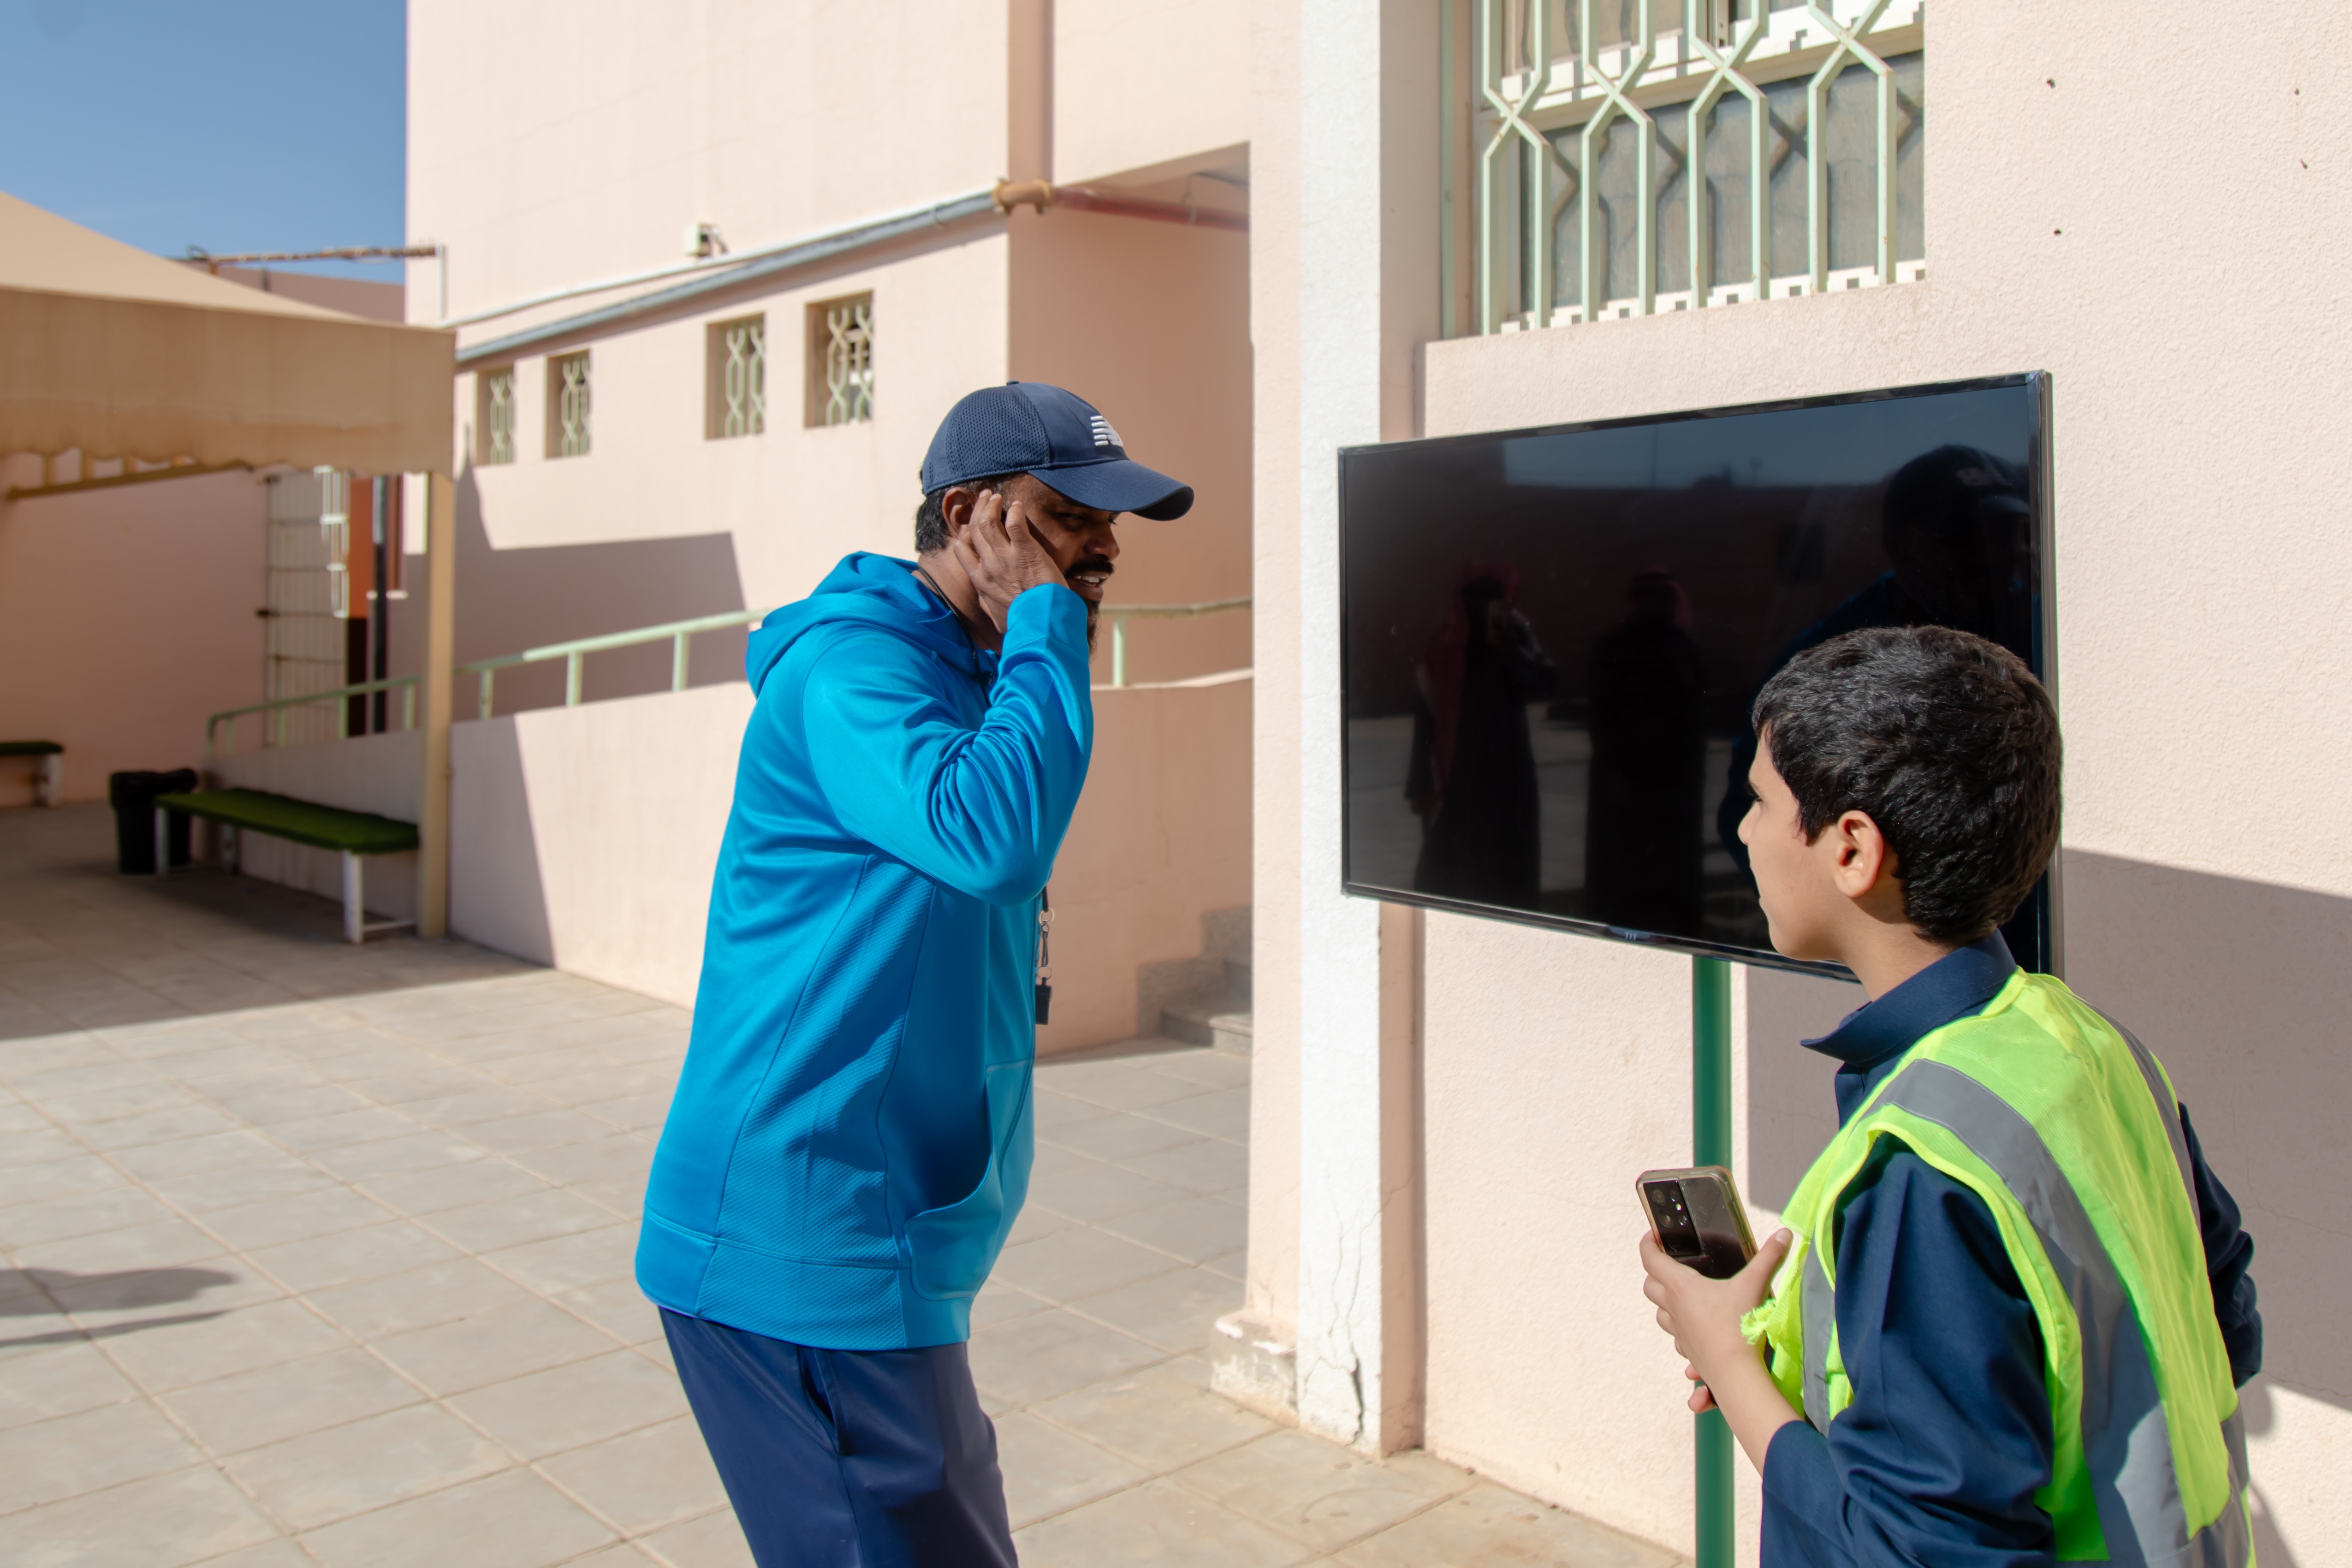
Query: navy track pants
x,y
846,1458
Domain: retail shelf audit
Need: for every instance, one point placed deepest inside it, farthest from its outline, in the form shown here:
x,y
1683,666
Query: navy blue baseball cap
x,y
1029,427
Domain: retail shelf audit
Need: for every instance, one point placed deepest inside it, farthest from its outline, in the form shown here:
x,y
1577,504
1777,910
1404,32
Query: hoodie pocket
x,y
954,1246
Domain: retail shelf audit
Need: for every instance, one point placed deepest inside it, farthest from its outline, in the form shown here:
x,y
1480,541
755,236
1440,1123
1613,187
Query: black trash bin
x,y
132,796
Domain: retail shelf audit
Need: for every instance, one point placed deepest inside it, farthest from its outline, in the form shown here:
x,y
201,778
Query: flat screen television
x,y
1551,638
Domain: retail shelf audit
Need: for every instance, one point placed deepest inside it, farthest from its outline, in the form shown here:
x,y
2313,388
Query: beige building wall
x,y
1148,86
126,616
2201,646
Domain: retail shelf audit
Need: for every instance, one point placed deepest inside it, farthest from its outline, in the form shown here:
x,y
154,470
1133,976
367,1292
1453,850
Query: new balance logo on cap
x,y
1104,435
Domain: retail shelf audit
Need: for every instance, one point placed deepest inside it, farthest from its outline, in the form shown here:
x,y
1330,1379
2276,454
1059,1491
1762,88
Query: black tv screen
x,y
1551,638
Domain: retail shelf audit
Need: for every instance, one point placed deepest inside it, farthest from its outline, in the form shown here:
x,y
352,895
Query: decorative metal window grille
x,y
306,600
1803,119
568,404
847,360
739,401
497,415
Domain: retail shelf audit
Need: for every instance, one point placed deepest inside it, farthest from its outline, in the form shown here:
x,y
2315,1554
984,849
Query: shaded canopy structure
x,y
116,353
106,350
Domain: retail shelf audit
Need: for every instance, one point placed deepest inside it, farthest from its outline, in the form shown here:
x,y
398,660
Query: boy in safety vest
x,y
2009,1315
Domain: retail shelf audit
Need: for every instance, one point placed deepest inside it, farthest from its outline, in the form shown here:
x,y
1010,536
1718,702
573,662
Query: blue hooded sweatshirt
x,y
850,1140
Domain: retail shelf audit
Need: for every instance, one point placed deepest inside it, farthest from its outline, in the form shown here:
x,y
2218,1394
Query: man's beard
x,y
1093,565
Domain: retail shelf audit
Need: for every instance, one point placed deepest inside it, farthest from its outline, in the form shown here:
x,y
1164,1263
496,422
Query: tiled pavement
x,y
321,1254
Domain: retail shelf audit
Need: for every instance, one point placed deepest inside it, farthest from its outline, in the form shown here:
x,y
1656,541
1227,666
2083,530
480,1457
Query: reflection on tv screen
x,y
1552,638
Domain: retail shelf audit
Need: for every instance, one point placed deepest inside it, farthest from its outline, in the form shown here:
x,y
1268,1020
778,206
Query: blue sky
x,y
236,125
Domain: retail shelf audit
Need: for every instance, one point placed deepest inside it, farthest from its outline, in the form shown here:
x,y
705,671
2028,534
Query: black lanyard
x,y
1045,961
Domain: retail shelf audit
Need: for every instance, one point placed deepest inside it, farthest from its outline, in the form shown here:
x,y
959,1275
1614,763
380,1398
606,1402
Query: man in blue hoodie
x,y
850,1140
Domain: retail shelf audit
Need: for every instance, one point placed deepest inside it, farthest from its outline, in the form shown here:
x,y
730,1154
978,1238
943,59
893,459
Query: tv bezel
x,y
2044,548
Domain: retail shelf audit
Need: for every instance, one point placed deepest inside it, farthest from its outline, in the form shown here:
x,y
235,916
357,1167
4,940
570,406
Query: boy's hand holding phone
x,y
1701,1310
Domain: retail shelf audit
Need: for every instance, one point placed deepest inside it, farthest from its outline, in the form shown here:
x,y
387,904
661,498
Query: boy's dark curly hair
x,y
1951,745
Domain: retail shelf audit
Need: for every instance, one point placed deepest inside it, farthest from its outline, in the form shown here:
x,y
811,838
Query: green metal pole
x,y
1711,1145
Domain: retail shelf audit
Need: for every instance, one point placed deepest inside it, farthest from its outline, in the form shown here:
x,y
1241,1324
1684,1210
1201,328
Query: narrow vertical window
x,y
736,393
841,361
494,415
567,405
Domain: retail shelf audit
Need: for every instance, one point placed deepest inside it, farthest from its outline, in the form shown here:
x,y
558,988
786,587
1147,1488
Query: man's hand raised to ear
x,y
1000,554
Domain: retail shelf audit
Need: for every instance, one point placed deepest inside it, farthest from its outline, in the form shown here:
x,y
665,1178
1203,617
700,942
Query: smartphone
x,y
1696,1217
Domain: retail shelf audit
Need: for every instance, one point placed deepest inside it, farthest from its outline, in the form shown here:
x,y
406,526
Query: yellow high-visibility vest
x,y
2068,1129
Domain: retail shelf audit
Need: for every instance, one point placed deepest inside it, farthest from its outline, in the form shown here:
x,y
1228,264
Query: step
x,y
1237,976
1221,1022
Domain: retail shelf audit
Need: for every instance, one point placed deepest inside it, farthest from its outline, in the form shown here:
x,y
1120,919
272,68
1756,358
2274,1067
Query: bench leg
x,y
163,842
354,907
229,847
51,788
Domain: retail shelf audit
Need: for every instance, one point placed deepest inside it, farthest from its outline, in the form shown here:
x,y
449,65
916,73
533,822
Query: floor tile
x,y
221,1282
271,1404
1118,1135
1163,1417
342,1129
156,1246
572,1407
1051,1352
1115,1085
618,1308
344,1470
1488,1525
570,1262
23,1225
59,1380
479,1103
1220,1113
418,1299
472,1352
1048,1470
290,1105
509,1521
1176,1311
1079,1262
1211,1069
646,1479
188,1516
233,1186
612,1154
187,1156
369,1252
1092,1190
484,1179
48,1461
1318,1492
160,1127
714,1541
998,1302
412,1151
510,1222
1157,1525
61,1179
296,1218
1211,1165
1194,1229
187,1354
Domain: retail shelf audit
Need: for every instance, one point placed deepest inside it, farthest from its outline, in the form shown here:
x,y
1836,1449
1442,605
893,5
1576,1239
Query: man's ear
x,y
955,506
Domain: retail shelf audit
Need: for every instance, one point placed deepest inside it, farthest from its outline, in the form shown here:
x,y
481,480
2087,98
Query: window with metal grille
x,y
1781,145
494,415
567,405
841,361
735,398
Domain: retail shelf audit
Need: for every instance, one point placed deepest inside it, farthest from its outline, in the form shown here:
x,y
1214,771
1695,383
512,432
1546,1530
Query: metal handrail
x,y
1121,613
575,653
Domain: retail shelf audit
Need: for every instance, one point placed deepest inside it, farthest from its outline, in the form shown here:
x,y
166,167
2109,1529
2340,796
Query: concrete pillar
x,y
1367,298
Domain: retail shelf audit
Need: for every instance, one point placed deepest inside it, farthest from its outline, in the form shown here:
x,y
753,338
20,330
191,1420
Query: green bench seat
x,y
351,834
48,784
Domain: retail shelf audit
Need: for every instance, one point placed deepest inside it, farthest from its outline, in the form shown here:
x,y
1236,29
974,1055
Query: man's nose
x,y
1103,540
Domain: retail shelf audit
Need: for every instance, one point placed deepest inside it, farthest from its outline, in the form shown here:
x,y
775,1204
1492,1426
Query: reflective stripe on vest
x,y
2126,1441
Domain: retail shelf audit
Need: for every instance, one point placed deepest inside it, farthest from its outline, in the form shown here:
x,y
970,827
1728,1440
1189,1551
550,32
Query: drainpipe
x,y
1044,193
